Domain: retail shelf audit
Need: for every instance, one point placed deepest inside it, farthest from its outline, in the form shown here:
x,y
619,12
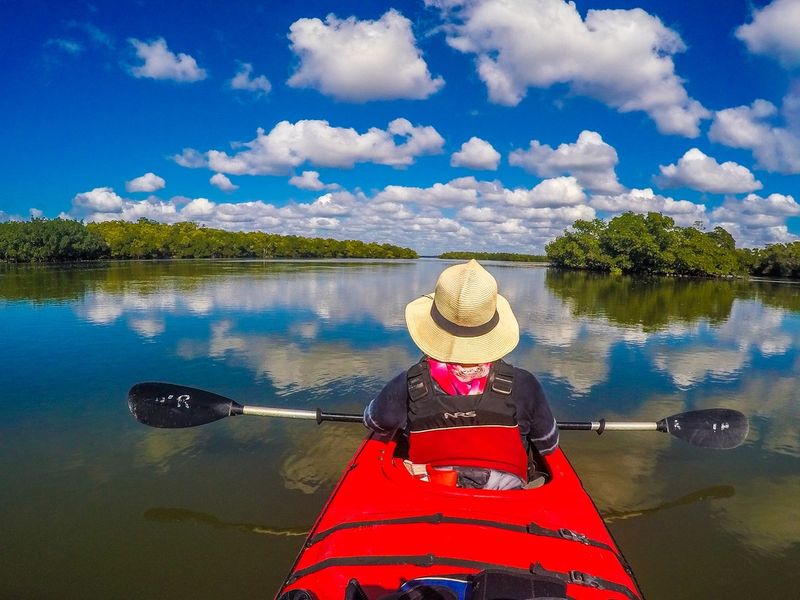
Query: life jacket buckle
x,y
417,388
502,384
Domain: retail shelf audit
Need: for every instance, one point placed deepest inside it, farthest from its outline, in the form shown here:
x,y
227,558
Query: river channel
x,y
94,505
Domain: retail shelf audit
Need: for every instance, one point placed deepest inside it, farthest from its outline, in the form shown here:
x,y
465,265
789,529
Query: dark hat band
x,y
463,330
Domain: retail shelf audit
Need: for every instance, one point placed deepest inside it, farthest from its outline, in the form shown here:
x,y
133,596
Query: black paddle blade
x,y
174,406
717,428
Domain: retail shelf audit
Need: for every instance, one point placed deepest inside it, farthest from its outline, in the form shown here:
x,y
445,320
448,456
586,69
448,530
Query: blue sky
x,y
438,124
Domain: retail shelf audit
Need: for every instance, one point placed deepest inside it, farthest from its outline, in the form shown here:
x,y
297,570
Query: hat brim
x,y
444,346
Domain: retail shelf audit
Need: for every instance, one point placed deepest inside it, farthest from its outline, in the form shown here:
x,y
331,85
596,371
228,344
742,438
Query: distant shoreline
x,y
630,244
63,240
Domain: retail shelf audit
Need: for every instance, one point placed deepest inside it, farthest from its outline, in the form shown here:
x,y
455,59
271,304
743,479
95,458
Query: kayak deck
x,y
383,527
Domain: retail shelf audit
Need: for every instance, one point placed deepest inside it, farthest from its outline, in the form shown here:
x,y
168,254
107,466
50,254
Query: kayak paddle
x,y
176,406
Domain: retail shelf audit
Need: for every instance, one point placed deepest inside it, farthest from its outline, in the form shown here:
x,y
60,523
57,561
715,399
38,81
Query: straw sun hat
x,y
464,320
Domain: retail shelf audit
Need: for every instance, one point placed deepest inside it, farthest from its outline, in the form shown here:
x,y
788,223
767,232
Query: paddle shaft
x,y
319,416
289,413
603,425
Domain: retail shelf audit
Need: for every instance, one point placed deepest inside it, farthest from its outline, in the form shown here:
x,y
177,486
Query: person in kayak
x,y
468,416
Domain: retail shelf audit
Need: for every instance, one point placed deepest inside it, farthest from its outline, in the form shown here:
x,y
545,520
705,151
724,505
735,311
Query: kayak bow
x,y
383,527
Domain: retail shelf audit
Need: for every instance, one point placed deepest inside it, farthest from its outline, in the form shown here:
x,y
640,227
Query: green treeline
x,y
776,260
508,256
44,240
653,244
628,243
59,240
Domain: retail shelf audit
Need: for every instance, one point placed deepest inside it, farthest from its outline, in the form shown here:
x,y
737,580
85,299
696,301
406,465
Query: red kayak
x,y
385,534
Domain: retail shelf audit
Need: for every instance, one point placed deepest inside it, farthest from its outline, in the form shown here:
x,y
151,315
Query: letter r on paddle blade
x,y
176,406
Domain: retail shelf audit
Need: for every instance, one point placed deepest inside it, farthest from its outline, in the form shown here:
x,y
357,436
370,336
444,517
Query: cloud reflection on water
x,y
290,366
694,332
147,327
752,324
581,366
687,367
341,294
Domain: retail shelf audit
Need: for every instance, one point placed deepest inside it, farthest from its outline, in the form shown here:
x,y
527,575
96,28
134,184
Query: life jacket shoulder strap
x,y
503,382
418,381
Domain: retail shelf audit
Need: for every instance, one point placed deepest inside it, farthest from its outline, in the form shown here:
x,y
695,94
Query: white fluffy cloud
x,y
590,160
103,204
465,192
620,57
441,195
684,213
223,183
520,229
757,221
161,63
358,61
199,208
149,182
774,32
98,200
476,154
700,172
244,80
767,211
488,215
289,145
309,180
753,127
338,204
559,191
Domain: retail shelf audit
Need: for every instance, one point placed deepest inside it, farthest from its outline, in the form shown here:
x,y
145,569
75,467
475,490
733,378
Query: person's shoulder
x,y
398,383
398,380
522,373
525,380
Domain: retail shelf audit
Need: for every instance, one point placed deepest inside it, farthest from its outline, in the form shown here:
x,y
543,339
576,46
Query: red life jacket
x,y
468,431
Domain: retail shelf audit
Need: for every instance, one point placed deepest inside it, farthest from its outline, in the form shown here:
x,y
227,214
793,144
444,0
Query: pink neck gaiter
x,y
458,380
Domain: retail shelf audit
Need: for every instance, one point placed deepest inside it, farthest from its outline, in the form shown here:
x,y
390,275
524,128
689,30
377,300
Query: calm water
x,y
95,505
